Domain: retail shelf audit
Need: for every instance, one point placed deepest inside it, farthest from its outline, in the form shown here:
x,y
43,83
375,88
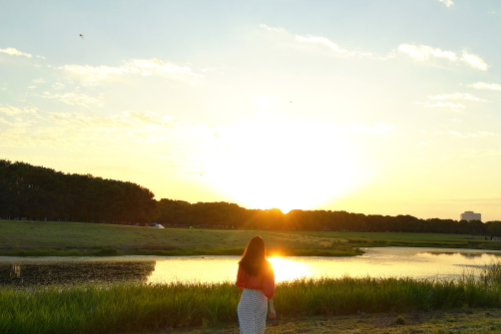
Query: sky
x,y
378,107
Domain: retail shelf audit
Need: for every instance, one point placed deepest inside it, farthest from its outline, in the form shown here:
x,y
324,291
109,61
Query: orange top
x,y
265,280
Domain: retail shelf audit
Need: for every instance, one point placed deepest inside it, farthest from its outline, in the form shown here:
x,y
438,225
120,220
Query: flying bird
x,y
81,36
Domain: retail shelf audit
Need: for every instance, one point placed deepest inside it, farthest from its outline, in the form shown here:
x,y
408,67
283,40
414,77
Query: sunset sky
x,y
371,106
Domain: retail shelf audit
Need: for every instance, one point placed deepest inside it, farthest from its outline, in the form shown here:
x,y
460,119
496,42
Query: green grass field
x,y
384,239
26,238
64,238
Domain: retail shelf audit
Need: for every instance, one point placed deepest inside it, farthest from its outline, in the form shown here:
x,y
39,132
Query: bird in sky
x,y
81,36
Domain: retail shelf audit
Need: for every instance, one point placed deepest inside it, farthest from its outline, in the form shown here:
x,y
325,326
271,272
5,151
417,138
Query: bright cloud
x,y
14,52
322,41
474,61
58,85
423,52
456,96
11,111
38,81
448,3
155,66
478,134
483,85
75,99
133,120
264,26
91,74
445,105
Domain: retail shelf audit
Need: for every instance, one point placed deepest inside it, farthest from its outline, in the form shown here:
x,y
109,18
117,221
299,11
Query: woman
x,y
257,279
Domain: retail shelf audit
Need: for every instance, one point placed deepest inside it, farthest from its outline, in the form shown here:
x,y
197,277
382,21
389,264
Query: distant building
x,y
470,215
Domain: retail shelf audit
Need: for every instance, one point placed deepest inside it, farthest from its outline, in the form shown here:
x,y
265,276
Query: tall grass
x,y
132,307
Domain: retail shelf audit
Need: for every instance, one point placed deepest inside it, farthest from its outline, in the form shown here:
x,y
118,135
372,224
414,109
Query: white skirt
x,y
252,310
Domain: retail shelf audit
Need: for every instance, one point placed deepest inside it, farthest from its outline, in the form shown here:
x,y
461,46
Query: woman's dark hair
x,y
254,256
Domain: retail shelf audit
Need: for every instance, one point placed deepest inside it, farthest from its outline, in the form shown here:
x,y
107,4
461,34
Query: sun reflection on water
x,y
286,270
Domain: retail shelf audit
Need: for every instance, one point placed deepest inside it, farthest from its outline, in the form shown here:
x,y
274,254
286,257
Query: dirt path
x,y
457,321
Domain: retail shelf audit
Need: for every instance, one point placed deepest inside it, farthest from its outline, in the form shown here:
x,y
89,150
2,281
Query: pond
x,y
418,263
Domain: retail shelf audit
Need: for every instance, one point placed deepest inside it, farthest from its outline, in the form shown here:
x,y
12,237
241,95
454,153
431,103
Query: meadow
x,y
121,308
396,239
26,238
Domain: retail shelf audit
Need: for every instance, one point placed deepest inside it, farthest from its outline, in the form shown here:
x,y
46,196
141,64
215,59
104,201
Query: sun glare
x,y
272,163
287,269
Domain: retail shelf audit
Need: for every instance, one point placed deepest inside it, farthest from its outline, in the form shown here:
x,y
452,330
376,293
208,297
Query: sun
x,y
273,163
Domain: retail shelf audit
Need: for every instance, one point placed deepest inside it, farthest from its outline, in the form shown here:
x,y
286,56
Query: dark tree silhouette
x,y
38,193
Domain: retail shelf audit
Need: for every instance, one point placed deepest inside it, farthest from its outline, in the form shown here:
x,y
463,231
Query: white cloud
x,y
445,105
483,85
322,44
322,41
371,128
478,134
75,99
92,74
11,111
424,52
264,26
474,61
38,81
155,66
58,85
456,96
14,52
426,143
448,3
132,120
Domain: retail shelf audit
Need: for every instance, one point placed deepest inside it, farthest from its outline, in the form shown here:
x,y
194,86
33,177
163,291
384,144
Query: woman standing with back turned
x,y
257,279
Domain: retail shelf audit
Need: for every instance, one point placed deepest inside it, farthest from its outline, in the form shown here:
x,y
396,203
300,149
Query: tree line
x,y
38,193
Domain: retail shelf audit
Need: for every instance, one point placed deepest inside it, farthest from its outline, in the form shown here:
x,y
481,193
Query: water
x,y
417,263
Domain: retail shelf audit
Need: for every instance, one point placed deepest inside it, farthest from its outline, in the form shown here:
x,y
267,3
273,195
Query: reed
x,y
128,307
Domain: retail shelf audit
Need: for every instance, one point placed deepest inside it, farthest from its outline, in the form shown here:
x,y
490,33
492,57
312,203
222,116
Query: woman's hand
x,y
273,314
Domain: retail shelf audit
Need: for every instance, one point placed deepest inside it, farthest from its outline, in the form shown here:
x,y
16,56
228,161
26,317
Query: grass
x,y
140,307
385,239
178,252
26,238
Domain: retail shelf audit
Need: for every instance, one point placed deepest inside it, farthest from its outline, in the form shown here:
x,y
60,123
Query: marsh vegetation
x,y
138,307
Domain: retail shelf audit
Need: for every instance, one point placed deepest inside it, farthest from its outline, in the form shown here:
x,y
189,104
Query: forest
x,y
36,193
